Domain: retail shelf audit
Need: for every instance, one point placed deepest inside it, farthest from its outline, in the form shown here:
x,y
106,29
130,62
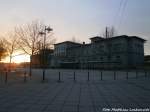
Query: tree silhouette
x,y
3,50
109,32
30,40
11,45
74,39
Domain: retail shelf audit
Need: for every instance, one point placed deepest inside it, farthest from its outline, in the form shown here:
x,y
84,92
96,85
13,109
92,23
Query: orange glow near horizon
x,y
21,58
18,59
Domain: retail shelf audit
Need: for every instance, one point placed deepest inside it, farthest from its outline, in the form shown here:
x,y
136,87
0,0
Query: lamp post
x,y
46,30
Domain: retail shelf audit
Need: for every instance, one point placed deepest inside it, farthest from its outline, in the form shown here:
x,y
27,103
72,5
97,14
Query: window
x,y
117,47
118,57
109,57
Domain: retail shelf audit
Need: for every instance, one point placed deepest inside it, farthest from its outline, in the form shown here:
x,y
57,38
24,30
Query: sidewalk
x,y
72,96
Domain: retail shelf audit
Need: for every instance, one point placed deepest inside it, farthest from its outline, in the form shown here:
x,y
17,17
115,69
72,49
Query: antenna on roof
x,y
106,32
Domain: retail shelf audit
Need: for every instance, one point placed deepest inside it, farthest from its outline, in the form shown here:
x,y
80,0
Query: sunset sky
x,y
80,18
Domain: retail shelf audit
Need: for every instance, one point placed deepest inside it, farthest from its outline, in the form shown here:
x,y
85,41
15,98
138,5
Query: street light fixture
x,y
46,30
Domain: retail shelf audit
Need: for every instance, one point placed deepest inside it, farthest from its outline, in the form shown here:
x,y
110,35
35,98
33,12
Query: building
x,y
42,58
116,52
147,61
61,53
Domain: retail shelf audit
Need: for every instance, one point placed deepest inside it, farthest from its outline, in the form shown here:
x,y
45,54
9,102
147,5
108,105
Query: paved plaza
x,y
80,95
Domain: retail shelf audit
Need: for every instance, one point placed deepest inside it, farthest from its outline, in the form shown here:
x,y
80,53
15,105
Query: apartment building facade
x,y
116,52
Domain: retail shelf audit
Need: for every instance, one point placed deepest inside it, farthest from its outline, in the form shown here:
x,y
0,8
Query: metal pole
x,y
59,77
101,75
127,75
114,75
145,74
88,76
136,74
43,75
74,76
6,77
43,58
44,54
25,79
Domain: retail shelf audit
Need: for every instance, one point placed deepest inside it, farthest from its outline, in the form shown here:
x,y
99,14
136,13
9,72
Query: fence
x,y
61,75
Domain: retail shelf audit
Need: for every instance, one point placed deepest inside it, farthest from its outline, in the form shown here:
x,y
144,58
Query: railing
x,y
64,75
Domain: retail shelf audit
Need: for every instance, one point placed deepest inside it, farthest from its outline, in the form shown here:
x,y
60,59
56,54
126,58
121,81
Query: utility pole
x,y
46,30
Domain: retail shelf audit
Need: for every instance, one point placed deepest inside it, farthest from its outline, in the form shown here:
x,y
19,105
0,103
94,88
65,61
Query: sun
x,y
20,59
17,57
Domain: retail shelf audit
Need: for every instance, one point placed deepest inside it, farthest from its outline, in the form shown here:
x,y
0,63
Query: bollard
x,y
25,78
59,77
136,74
43,75
127,75
78,108
145,74
114,75
74,76
6,77
101,75
88,76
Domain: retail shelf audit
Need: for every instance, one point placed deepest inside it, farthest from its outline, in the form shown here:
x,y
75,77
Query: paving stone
x,y
82,96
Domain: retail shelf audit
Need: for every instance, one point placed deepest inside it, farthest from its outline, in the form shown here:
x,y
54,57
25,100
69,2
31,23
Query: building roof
x,y
68,42
129,37
81,45
97,38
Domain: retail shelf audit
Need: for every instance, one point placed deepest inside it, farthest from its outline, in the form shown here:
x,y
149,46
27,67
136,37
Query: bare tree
x,y
30,40
3,50
11,44
74,39
109,33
